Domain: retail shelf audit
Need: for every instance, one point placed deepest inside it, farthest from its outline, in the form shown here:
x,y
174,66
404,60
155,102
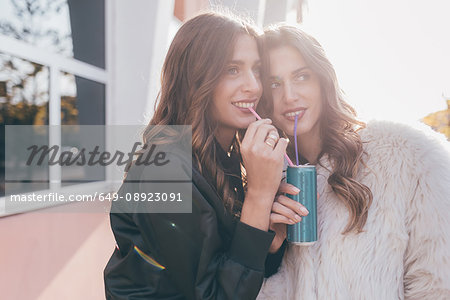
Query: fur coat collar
x,y
404,250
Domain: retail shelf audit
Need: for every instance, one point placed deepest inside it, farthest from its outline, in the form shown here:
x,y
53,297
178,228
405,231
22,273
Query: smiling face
x,y
239,88
296,91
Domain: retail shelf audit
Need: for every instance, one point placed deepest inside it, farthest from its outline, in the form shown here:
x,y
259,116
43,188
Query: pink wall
x,y
49,255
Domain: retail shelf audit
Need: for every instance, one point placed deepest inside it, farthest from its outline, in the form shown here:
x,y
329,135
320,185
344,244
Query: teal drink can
x,y
305,178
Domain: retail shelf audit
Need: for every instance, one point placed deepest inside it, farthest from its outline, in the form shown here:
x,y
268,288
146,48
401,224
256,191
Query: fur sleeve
x,y
427,257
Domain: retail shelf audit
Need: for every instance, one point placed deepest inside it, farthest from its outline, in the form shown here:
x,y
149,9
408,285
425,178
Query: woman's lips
x,y
292,113
243,105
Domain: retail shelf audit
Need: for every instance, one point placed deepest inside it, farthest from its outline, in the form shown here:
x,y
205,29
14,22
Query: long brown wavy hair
x,y
194,65
339,125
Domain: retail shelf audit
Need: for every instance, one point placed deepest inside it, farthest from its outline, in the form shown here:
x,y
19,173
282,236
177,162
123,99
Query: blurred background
x,y
97,62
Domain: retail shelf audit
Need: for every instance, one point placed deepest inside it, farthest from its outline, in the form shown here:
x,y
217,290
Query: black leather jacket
x,y
208,254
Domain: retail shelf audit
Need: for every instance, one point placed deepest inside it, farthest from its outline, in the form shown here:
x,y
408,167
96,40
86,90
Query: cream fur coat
x,y
404,251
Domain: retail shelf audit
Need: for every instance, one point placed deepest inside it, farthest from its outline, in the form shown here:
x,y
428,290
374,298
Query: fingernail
x,y
292,221
304,210
298,218
295,189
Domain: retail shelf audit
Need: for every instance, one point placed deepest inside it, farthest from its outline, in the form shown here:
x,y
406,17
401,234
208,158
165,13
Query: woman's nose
x,y
290,94
252,83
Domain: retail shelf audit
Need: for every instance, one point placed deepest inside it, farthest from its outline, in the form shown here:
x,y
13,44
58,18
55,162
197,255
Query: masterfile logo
x,y
59,164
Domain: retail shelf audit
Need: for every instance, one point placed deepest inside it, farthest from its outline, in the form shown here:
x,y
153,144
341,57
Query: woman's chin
x,y
290,133
244,123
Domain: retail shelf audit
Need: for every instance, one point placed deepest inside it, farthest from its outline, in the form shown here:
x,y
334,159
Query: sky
x,y
392,57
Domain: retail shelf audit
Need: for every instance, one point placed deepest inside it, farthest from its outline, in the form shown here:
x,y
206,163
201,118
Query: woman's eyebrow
x,y
236,62
295,72
299,70
275,78
241,62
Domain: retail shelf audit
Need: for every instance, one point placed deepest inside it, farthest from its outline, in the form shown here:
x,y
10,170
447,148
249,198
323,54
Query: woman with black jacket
x,y
220,249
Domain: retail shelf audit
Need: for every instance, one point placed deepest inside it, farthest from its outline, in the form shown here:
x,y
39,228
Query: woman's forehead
x,y
245,49
286,59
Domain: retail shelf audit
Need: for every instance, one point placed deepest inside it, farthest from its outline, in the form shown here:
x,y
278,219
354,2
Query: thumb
x,y
281,146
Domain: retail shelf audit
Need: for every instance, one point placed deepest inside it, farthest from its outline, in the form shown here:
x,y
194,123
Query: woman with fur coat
x,y
384,206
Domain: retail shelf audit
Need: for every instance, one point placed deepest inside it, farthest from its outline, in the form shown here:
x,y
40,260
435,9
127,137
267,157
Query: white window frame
x,y
58,63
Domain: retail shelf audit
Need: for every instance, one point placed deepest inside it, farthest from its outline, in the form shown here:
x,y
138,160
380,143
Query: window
x,y
72,28
82,103
24,101
52,72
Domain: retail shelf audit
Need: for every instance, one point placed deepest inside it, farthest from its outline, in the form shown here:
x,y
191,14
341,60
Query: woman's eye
x,y
232,70
257,71
302,77
274,85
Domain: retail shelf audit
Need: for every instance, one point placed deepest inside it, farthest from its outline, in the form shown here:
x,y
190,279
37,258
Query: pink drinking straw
x,y
259,118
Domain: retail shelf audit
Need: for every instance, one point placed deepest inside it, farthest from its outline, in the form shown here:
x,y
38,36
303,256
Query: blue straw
x,y
295,139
